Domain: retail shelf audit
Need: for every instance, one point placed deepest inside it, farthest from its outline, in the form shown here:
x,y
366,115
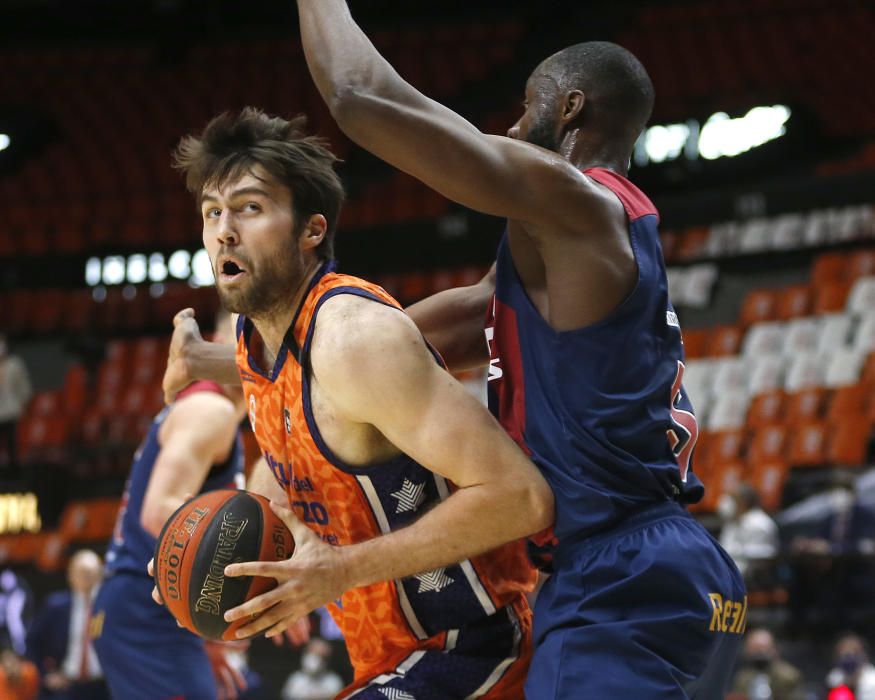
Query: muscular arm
x,y
198,433
452,321
387,116
374,367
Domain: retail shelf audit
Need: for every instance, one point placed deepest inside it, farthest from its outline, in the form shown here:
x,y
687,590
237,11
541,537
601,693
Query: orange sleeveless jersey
x,y
383,623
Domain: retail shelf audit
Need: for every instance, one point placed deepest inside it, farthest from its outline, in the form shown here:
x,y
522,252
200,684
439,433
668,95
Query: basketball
x,y
199,540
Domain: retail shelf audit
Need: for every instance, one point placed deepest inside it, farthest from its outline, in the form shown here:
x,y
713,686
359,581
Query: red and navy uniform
x,y
603,413
144,654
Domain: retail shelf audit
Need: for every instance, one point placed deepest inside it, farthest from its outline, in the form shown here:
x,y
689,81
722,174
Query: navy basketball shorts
x,y
143,653
653,609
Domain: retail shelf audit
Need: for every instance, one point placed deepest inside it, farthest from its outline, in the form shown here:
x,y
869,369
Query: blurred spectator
x,y
848,527
853,668
749,534
19,679
16,603
763,674
59,641
837,547
15,392
315,681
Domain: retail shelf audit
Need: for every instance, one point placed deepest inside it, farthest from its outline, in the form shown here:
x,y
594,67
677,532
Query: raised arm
x,y
192,358
452,321
384,114
198,432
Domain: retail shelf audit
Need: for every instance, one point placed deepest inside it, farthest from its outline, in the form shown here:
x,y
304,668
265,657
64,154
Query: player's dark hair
x,y
230,147
615,82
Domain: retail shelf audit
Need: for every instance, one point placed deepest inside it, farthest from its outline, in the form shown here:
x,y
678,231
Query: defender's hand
x,y
316,574
186,333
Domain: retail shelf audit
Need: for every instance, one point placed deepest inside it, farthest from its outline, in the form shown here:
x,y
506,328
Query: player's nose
x,y
514,131
226,231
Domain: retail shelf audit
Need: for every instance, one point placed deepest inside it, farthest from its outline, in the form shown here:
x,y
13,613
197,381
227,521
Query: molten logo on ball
x,y
210,597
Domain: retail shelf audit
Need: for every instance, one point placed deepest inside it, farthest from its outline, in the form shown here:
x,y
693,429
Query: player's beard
x,y
541,133
269,285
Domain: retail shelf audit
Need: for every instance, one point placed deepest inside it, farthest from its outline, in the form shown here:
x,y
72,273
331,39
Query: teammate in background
x,y
192,446
584,351
378,450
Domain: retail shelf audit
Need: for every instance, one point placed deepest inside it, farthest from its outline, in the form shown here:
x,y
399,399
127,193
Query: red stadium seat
x,y
724,340
758,305
766,408
807,445
829,268
805,405
849,442
767,444
768,479
793,302
831,296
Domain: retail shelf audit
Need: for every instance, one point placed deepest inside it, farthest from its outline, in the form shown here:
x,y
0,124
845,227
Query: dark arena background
x,y
760,157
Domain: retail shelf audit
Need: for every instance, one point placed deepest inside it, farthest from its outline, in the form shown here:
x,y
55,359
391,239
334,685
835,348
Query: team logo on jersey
x,y
287,419
410,496
435,581
395,694
252,411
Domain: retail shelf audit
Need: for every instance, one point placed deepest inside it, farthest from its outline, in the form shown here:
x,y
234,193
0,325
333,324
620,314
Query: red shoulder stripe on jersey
x,y
198,386
634,200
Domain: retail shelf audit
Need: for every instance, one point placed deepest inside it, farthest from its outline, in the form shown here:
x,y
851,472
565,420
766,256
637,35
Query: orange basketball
x,y
199,540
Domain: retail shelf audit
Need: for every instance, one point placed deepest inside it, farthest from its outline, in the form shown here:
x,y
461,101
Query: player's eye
x,y
213,213
252,206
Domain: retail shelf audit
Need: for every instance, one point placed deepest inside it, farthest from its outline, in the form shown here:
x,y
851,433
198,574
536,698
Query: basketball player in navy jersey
x,y
192,446
584,352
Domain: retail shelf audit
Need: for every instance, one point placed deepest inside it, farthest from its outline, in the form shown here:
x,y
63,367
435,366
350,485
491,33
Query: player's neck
x,y
585,153
272,325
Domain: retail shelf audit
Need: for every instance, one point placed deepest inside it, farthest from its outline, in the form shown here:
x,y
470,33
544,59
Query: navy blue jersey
x,y
132,547
601,410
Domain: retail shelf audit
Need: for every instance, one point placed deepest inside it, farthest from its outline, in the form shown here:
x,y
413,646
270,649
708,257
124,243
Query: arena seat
x,y
766,408
849,442
767,443
768,478
793,302
805,405
807,444
759,305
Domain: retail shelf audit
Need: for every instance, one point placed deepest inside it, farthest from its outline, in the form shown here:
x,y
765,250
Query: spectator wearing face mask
x,y
853,669
763,674
315,681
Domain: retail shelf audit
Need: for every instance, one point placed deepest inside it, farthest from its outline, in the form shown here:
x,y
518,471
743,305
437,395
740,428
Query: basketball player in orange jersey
x,y
584,351
402,489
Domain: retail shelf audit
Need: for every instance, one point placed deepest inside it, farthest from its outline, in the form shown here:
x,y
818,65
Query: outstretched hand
x,y
177,375
315,574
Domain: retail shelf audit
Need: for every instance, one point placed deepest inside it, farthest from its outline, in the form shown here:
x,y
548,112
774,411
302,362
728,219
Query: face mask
x,y
760,662
726,507
849,663
311,663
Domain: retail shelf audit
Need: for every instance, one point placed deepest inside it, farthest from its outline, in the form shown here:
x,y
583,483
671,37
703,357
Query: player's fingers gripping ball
x,y
199,540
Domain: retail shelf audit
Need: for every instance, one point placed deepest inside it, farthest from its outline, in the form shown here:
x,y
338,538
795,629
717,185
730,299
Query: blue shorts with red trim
x,y
652,609
144,654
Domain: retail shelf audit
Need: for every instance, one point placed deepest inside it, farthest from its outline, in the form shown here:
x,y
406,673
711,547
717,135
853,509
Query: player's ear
x,y
572,106
314,232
